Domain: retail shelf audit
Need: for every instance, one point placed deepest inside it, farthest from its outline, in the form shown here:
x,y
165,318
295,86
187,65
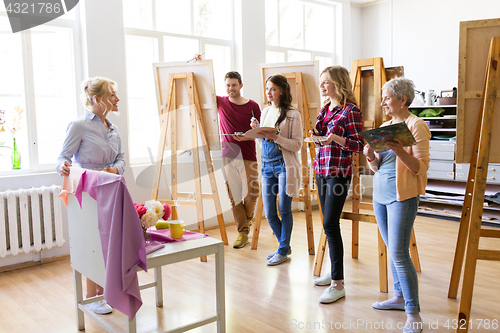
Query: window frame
x,y
28,94
314,53
159,36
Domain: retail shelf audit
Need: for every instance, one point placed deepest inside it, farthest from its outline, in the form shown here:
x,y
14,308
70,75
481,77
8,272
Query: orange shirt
x,y
408,184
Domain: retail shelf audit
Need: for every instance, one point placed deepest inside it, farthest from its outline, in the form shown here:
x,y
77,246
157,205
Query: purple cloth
x,y
153,246
163,236
122,239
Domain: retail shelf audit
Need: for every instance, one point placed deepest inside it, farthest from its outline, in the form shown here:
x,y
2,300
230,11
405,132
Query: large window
x,y
38,74
169,31
300,30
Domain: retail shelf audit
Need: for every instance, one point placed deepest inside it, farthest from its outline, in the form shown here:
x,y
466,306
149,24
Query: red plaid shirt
x,y
346,122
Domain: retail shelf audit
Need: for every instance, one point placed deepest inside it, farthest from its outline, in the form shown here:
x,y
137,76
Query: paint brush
x,y
194,58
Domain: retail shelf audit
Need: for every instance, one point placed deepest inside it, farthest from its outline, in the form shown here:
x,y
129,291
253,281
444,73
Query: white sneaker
x,y
331,295
270,255
325,280
277,259
101,307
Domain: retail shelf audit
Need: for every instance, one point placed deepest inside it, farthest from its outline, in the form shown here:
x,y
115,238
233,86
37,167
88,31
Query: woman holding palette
x,y
339,124
281,167
400,177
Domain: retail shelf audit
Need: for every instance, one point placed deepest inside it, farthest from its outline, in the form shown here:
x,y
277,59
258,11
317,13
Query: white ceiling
x,y
363,2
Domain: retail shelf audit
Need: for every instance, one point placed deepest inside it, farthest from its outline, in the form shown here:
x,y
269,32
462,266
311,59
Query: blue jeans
x,y
395,222
274,185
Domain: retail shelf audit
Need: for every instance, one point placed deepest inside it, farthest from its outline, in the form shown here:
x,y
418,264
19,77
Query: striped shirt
x,y
334,159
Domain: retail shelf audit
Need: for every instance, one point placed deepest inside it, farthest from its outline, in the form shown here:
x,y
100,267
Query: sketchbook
x,y
377,137
255,133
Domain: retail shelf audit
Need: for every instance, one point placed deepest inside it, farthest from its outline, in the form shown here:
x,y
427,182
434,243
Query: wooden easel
x,y
470,224
196,122
306,190
355,216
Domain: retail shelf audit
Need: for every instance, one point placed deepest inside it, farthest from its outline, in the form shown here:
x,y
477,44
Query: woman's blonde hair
x,y
340,77
96,86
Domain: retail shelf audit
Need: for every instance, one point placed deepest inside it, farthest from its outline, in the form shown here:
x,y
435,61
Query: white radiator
x,y
30,220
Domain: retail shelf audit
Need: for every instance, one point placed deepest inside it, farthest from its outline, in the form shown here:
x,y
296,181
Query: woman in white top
x,y
281,167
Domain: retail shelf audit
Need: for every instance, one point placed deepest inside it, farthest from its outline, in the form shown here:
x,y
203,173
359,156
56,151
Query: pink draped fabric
x,y
122,238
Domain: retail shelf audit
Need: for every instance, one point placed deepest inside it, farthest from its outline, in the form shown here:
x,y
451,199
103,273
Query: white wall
x,y
421,35
356,26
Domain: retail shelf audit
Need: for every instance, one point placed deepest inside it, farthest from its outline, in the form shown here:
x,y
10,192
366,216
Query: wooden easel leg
x,y
355,206
483,155
215,196
472,253
194,100
258,220
304,110
378,82
414,251
196,159
164,119
463,230
320,254
173,163
307,202
382,264
309,220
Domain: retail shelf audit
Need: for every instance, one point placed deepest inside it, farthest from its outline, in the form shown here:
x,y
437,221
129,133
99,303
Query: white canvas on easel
x,y
310,74
188,120
204,76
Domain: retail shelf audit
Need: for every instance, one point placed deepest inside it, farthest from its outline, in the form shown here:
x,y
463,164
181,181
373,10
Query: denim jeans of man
x,y
332,192
242,185
273,186
395,222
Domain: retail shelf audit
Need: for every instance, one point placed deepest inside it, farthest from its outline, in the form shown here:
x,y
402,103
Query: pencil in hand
x,y
196,57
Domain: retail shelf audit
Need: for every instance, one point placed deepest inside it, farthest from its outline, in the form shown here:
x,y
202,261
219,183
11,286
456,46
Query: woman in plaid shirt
x,y
339,125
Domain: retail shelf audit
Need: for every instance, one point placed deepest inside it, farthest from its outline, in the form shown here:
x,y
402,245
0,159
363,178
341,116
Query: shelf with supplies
x,y
446,198
442,122
447,179
441,119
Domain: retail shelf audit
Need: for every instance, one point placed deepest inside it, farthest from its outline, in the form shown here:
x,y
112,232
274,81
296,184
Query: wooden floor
x,y
267,299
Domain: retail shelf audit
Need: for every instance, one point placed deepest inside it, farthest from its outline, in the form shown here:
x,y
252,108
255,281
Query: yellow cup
x,y
177,228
